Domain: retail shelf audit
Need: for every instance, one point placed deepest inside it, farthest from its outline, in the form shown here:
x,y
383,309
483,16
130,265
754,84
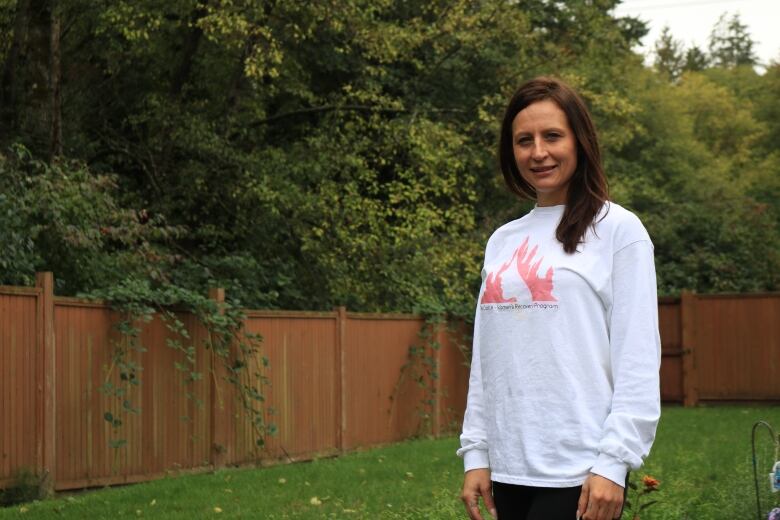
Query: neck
x,y
550,199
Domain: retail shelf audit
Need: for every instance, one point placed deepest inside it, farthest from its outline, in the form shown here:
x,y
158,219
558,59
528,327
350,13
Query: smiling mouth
x,y
543,169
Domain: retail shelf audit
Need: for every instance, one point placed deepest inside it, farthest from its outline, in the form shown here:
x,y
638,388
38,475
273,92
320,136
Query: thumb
x,y
487,496
582,503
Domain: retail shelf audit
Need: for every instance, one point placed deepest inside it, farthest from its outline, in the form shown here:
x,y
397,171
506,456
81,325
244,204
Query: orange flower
x,y
650,482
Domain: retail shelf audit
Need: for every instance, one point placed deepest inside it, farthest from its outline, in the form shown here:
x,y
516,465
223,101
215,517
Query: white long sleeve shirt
x,y
566,355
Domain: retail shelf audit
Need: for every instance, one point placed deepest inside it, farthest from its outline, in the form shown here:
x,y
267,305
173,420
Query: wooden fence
x,y
336,383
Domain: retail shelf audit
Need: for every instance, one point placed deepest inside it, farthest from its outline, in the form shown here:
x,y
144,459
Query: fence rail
x,y
338,380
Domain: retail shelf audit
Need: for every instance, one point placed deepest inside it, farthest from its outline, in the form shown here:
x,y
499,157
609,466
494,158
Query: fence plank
x,y
219,414
688,319
738,347
341,414
45,281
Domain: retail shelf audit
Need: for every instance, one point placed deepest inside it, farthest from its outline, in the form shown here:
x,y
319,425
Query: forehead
x,y
539,116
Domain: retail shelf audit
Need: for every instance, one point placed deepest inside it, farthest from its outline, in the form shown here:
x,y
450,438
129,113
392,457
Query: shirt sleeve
x,y
635,351
473,439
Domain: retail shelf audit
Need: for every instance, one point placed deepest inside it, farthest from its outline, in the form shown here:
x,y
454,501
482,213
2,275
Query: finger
x,y
616,510
487,496
472,507
593,510
582,503
474,510
604,511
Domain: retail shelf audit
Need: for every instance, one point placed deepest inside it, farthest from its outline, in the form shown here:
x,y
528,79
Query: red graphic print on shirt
x,y
493,291
540,288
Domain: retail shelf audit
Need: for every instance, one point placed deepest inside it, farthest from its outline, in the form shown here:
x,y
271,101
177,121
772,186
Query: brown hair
x,y
587,191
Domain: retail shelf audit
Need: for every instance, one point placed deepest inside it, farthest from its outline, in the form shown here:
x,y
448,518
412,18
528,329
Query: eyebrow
x,y
550,129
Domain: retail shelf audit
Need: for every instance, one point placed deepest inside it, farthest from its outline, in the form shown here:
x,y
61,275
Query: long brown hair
x,y
587,191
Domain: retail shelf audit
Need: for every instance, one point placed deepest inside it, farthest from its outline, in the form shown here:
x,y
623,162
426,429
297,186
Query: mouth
x,y
543,169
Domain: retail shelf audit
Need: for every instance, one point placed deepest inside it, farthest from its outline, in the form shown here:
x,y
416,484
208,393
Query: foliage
x,y
64,218
25,486
730,43
635,506
310,155
422,367
695,181
669,58
695,59
231,347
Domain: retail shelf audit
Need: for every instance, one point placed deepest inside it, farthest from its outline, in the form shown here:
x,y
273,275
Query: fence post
x,y
441,340
47,383
688,320
219,418
341,412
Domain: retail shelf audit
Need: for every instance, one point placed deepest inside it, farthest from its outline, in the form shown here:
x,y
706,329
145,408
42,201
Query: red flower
x,y
650,482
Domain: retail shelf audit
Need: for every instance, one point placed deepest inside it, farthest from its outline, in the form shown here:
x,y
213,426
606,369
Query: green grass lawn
x,y
701,456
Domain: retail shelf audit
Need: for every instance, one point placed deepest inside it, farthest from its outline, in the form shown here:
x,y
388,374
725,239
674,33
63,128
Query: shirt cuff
x,y
476,459
611,468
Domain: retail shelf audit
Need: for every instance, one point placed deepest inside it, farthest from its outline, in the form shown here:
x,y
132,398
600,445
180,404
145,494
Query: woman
x,y
564,390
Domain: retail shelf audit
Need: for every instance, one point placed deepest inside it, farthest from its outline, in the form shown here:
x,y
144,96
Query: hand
x,y
601,499
476,483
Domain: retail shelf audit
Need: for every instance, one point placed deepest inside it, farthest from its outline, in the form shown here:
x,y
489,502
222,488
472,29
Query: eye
x,y
525,140
553,136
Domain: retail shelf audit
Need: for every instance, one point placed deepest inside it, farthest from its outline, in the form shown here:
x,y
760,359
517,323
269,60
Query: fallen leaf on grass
x,y
315,501
282,480
217,509
153,502
23,509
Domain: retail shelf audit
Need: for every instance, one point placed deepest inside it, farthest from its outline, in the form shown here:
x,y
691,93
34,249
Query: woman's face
x,y
545,150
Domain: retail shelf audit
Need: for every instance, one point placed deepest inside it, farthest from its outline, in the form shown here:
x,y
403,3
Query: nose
x,y
539,150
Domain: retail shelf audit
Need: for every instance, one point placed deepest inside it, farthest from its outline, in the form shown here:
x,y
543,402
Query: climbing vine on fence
x,y
422,364
228,343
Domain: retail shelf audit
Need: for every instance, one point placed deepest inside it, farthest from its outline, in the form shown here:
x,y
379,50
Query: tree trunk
x,y
191,43
55,81
34,90
14,60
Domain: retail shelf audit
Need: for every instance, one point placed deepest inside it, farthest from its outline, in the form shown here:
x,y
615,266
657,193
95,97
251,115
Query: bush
x,y
26,486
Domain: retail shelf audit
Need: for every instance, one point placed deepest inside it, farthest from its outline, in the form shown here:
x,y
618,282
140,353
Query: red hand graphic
x,y
493,291
541,288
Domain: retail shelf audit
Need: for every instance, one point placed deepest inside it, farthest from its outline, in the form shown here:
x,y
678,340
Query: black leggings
x,y
515,502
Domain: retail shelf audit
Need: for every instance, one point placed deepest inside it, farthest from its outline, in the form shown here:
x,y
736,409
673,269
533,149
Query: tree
x,y
730,43
695,59
306,155
669,59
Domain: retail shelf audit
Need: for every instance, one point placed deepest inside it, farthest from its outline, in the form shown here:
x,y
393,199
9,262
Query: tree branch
x,y
351,108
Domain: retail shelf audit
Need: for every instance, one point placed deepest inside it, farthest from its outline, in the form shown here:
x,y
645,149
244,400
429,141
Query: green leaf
x,y
645,506
118,443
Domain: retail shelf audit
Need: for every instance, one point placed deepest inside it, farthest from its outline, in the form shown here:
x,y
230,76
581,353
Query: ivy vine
x,y
422,365
230,346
